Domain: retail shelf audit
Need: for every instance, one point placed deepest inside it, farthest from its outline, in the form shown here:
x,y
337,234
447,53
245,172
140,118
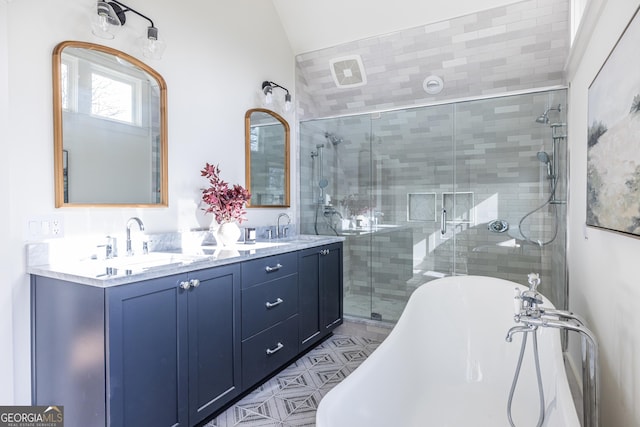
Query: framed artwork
x,y
613,145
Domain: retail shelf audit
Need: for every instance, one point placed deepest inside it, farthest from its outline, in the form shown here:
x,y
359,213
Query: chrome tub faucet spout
x,y
520,328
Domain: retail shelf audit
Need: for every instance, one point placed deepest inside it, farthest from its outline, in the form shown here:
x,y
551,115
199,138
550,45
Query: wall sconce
x,y
109,19
267,89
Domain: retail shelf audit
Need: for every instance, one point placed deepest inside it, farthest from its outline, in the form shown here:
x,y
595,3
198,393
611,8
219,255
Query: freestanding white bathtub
x,y
446,363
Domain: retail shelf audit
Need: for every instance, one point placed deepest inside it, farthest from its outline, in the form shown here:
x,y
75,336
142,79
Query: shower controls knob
x,y
498,226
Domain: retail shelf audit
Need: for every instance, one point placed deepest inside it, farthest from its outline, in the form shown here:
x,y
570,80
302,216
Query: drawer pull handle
x,y
269,269
279,347
185,285
194,283
273,304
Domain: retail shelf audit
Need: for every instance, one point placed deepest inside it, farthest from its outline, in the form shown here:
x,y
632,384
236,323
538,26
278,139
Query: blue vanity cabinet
x,y
269,315
214,341
174,354
175,350
150,353
320,292
147,353
331,287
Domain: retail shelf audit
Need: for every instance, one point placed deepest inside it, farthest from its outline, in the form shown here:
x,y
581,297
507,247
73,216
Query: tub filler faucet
x,y
530,316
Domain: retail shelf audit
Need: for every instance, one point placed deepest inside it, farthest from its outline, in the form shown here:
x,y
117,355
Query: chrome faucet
x,y
130,222
282,232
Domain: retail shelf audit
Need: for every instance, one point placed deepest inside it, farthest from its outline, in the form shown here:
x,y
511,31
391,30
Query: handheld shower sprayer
x,y
544,158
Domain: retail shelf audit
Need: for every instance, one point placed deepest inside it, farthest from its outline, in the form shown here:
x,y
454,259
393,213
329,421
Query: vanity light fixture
x,y
267,89
109,19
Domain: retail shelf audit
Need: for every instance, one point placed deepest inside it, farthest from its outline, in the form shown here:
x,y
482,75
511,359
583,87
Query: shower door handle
x,y
443,223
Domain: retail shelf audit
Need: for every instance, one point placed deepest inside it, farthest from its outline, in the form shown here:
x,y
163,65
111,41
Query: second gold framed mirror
x,y
267,159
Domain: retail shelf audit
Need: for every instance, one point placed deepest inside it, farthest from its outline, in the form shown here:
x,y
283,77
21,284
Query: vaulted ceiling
x,y
311,24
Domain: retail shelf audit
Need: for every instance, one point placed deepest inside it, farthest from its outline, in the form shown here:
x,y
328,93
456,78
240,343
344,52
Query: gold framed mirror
x,y
266,159
110,129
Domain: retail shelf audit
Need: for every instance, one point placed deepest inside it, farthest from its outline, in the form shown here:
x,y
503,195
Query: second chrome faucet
x,y
130,222
282,232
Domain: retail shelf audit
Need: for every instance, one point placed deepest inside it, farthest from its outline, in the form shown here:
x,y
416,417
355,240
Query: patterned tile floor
x,y
291,398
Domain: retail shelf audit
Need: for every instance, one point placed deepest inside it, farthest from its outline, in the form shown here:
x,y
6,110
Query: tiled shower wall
x,y
509,48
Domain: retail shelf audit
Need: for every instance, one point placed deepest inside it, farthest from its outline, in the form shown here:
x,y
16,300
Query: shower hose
x,y
552,186
517,374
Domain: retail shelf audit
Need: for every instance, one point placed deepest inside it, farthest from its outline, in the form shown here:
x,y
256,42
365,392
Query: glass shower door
x,y
412,166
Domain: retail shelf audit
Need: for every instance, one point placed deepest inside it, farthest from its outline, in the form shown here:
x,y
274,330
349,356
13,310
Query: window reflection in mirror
x,y
110,128
267,158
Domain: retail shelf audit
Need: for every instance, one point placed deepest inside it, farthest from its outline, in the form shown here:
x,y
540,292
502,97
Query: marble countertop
x,y
123,270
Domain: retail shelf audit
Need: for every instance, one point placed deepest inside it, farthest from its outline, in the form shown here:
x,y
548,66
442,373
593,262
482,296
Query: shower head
x,y
544,117
333,138
544,158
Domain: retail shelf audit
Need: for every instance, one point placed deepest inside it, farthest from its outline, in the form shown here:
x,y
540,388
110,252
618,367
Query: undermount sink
x,y
150,260
240,246
258,245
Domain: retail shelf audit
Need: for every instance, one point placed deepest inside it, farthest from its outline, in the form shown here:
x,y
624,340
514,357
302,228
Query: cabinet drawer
x,y
269,268
268,351
266,304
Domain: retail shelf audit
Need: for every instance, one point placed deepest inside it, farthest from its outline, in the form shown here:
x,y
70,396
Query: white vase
x,y
228,234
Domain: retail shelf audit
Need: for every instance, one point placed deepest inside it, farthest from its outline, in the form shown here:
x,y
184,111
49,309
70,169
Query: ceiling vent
x,y
348,71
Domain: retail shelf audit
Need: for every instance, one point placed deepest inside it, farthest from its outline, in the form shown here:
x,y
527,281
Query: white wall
x,y
603,266
6,323
218,54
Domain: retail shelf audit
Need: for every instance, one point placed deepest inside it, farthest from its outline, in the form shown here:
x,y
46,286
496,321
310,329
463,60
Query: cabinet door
x,y
309,328
214,341
147,362
331,298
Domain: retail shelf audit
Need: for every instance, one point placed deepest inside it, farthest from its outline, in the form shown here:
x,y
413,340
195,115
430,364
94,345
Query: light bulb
x,y
101,26
268,98
153,49
150,45
287,102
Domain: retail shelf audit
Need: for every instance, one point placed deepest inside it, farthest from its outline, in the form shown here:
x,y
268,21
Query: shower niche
x,y
414,190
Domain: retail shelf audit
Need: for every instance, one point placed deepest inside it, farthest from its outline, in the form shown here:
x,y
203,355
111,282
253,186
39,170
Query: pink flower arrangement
x,y
225,203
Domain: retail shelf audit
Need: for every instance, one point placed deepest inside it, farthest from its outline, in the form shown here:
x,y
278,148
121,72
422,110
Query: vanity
x,y
172,339
172,336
